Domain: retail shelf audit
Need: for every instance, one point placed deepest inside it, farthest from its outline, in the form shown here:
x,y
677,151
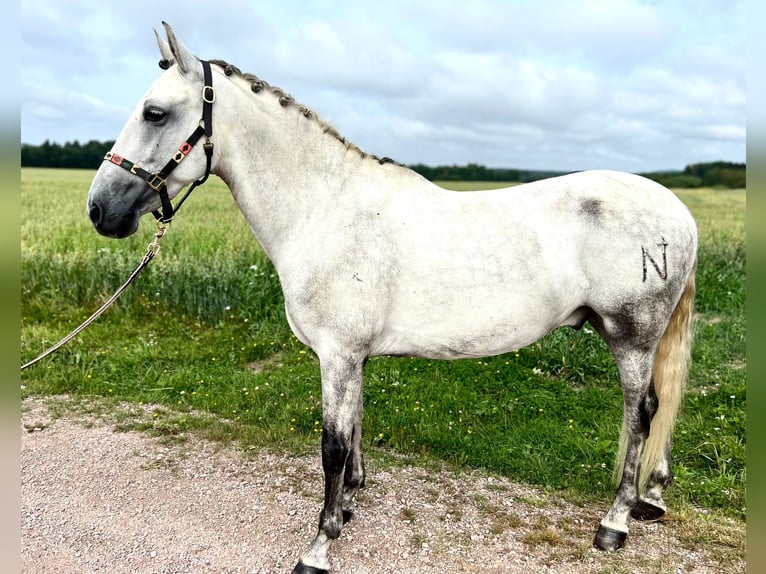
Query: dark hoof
x,y
609,539
301,568
647,511
347,516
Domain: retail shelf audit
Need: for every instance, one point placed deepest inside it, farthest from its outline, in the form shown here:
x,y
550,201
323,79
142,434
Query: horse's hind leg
x,y
635,367
650,505
653,381
341,455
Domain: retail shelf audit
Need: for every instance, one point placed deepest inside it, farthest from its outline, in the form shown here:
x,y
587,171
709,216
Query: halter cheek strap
x,y
158,179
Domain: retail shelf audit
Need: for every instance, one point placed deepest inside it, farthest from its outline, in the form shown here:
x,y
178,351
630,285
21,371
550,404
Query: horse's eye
x,y
154,115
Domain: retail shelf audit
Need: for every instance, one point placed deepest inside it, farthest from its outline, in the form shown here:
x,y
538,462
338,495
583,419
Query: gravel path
x,y
96,500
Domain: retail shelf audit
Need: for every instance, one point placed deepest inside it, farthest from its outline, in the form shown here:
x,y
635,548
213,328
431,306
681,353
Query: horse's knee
x,y
335,450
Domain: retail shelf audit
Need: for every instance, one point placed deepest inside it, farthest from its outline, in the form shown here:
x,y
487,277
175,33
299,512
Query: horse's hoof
x,y
609,539
347,516
301,568
645,510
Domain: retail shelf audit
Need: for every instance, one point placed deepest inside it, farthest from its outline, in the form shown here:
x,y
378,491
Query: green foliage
x,y
70,155
203,331
723,173
475,172
470,172
714,174
676,180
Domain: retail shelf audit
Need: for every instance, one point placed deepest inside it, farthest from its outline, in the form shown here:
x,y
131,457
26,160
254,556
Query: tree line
x,y
711,174
71,154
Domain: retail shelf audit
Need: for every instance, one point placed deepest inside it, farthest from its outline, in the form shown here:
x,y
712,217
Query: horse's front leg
x,y
353,478
341,456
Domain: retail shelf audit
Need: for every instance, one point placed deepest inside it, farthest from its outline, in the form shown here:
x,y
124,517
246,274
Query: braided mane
x,y
258,85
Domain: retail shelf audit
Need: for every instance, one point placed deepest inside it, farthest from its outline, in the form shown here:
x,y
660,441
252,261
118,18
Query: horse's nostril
x,y
95,213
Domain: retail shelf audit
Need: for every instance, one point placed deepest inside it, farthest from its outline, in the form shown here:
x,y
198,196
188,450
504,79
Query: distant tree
x,y
469,172
675,179
713,174
719,173
70,155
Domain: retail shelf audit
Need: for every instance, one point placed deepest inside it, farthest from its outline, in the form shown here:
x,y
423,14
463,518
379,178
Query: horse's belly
x,y
467,332
479,304
439,346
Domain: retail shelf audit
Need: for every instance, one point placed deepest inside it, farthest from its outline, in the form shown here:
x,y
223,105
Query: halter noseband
x,y
158,180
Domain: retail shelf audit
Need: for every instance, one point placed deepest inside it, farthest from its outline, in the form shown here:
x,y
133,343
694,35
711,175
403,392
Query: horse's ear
x,y
165,53
178,52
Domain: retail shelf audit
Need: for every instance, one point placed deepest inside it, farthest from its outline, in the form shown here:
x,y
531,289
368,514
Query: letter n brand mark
x,y
663,273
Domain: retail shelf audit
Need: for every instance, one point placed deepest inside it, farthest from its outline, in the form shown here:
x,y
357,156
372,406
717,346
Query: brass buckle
x,y
156,182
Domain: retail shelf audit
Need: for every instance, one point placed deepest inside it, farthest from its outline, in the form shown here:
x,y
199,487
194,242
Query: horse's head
x,y
145,163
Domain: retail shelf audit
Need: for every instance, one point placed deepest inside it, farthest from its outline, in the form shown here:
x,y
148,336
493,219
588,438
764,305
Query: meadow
x,y
203,332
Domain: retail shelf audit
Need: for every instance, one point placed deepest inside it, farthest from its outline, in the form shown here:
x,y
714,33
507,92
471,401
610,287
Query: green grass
x,y
203,331
474,185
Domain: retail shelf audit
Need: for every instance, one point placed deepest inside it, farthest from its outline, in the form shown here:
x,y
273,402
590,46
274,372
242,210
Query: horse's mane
x,y
286,100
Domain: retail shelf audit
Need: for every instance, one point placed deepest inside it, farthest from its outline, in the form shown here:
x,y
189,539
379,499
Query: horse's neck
x,y
284,171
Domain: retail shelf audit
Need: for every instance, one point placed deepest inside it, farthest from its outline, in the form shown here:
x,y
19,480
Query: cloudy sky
x,y
636,85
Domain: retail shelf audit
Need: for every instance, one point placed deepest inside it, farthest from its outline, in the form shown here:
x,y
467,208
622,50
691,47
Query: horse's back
x,y
489,271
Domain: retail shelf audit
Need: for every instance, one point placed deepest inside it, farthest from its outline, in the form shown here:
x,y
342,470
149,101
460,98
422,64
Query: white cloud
x,y
627,84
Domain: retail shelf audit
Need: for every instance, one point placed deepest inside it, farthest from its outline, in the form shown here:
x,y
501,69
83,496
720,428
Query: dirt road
x,y
96,500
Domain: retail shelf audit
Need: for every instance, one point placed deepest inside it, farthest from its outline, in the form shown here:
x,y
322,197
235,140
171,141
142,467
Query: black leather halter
x,y
158,180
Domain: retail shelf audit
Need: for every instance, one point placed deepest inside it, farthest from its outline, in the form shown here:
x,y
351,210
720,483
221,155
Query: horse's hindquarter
x,y
482,273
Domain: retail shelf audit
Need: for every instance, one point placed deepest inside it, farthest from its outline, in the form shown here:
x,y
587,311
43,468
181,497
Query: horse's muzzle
x,y
111,225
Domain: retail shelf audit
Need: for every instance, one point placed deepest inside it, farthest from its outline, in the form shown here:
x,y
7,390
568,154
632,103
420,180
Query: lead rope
x,y
152,250
157,181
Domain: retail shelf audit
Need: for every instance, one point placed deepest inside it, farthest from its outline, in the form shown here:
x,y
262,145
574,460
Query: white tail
x,y
671,368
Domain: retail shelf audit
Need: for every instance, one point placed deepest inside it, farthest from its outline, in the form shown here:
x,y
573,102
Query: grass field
x,y
203,331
